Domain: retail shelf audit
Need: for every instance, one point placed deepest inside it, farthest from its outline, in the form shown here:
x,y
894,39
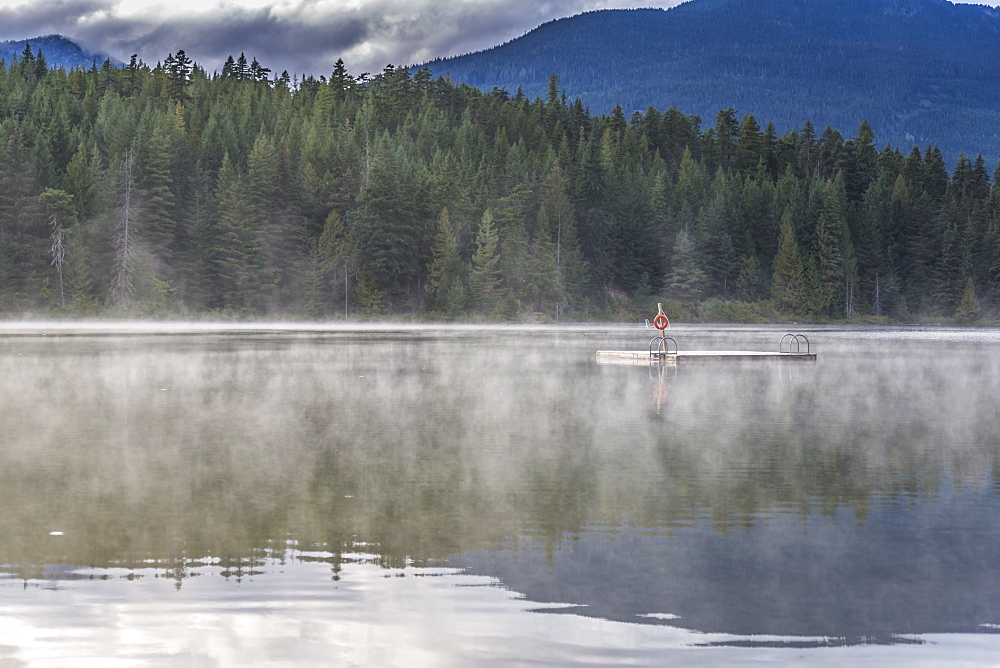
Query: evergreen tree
x,y
806,150
82,177
540,285
726,138
233,253
968,307
716,247
687,280
340,83
486,263
787,285
313,302
335,252
946,282
829,268
444,274
859,161
557,222
178,72
850,268
508,215
123,280
284,248
935,173
692,182
159,214
749,150
831,151
748,280
390,226
590,202
22,223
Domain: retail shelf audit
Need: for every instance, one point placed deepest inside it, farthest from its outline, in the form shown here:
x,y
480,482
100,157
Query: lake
x,y
452,496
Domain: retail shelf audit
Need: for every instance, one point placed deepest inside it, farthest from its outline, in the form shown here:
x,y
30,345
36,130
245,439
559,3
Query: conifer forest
x,y
169,191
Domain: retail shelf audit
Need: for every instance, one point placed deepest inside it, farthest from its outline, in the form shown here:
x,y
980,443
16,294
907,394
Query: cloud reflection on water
x,y
292,613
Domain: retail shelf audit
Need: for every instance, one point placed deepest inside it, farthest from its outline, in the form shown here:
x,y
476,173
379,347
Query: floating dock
x,y
697,356
663,349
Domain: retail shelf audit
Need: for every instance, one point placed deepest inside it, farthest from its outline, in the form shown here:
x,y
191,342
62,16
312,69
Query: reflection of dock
x,y
691,356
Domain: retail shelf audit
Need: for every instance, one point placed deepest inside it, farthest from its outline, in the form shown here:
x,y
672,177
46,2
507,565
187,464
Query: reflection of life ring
x,y
660,321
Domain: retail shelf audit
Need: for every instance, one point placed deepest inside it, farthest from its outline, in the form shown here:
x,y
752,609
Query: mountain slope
x,y
920,71
58,50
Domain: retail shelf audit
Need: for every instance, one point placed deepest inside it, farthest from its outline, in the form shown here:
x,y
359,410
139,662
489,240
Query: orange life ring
x,y
660,321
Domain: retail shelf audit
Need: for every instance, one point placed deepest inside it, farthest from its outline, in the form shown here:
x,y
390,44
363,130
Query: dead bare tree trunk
x,y
877,303
59,256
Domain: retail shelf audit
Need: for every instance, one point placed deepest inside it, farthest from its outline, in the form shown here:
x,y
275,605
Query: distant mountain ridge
x,y
59,51
920,71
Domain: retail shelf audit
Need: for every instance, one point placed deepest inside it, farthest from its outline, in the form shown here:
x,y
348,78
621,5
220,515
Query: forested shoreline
x,y
167,191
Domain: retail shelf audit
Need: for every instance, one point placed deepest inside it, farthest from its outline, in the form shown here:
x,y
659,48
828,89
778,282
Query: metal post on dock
x,y
661,322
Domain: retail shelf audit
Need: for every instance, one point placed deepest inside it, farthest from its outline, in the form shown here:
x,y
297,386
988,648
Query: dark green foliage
x,y
686,282
788,288
391,225
400,193
24,234
234,246
968,308
485,265
447,280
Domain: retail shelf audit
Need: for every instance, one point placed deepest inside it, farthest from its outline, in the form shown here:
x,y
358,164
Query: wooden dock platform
x,y
692,356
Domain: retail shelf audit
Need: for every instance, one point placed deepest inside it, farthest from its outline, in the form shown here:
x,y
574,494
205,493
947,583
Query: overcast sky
x,y
301,36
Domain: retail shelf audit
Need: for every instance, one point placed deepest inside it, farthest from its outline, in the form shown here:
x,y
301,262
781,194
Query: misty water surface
x,y
439,496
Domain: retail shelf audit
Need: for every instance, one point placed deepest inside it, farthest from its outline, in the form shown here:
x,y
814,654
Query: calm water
x,y
444,496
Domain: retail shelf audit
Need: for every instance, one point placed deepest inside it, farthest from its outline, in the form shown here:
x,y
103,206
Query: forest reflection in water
x,y
849,501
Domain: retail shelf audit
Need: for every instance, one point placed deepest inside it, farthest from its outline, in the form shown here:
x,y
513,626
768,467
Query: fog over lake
x,y
418,495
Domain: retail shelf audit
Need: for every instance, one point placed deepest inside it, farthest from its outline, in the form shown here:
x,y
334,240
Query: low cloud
x,y
300,36
44,18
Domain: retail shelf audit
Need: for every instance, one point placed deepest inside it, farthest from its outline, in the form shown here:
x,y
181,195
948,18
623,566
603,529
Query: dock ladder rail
x,y
796,340
661,346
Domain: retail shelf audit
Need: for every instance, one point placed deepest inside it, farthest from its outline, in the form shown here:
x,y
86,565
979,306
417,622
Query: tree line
x,y
167,190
